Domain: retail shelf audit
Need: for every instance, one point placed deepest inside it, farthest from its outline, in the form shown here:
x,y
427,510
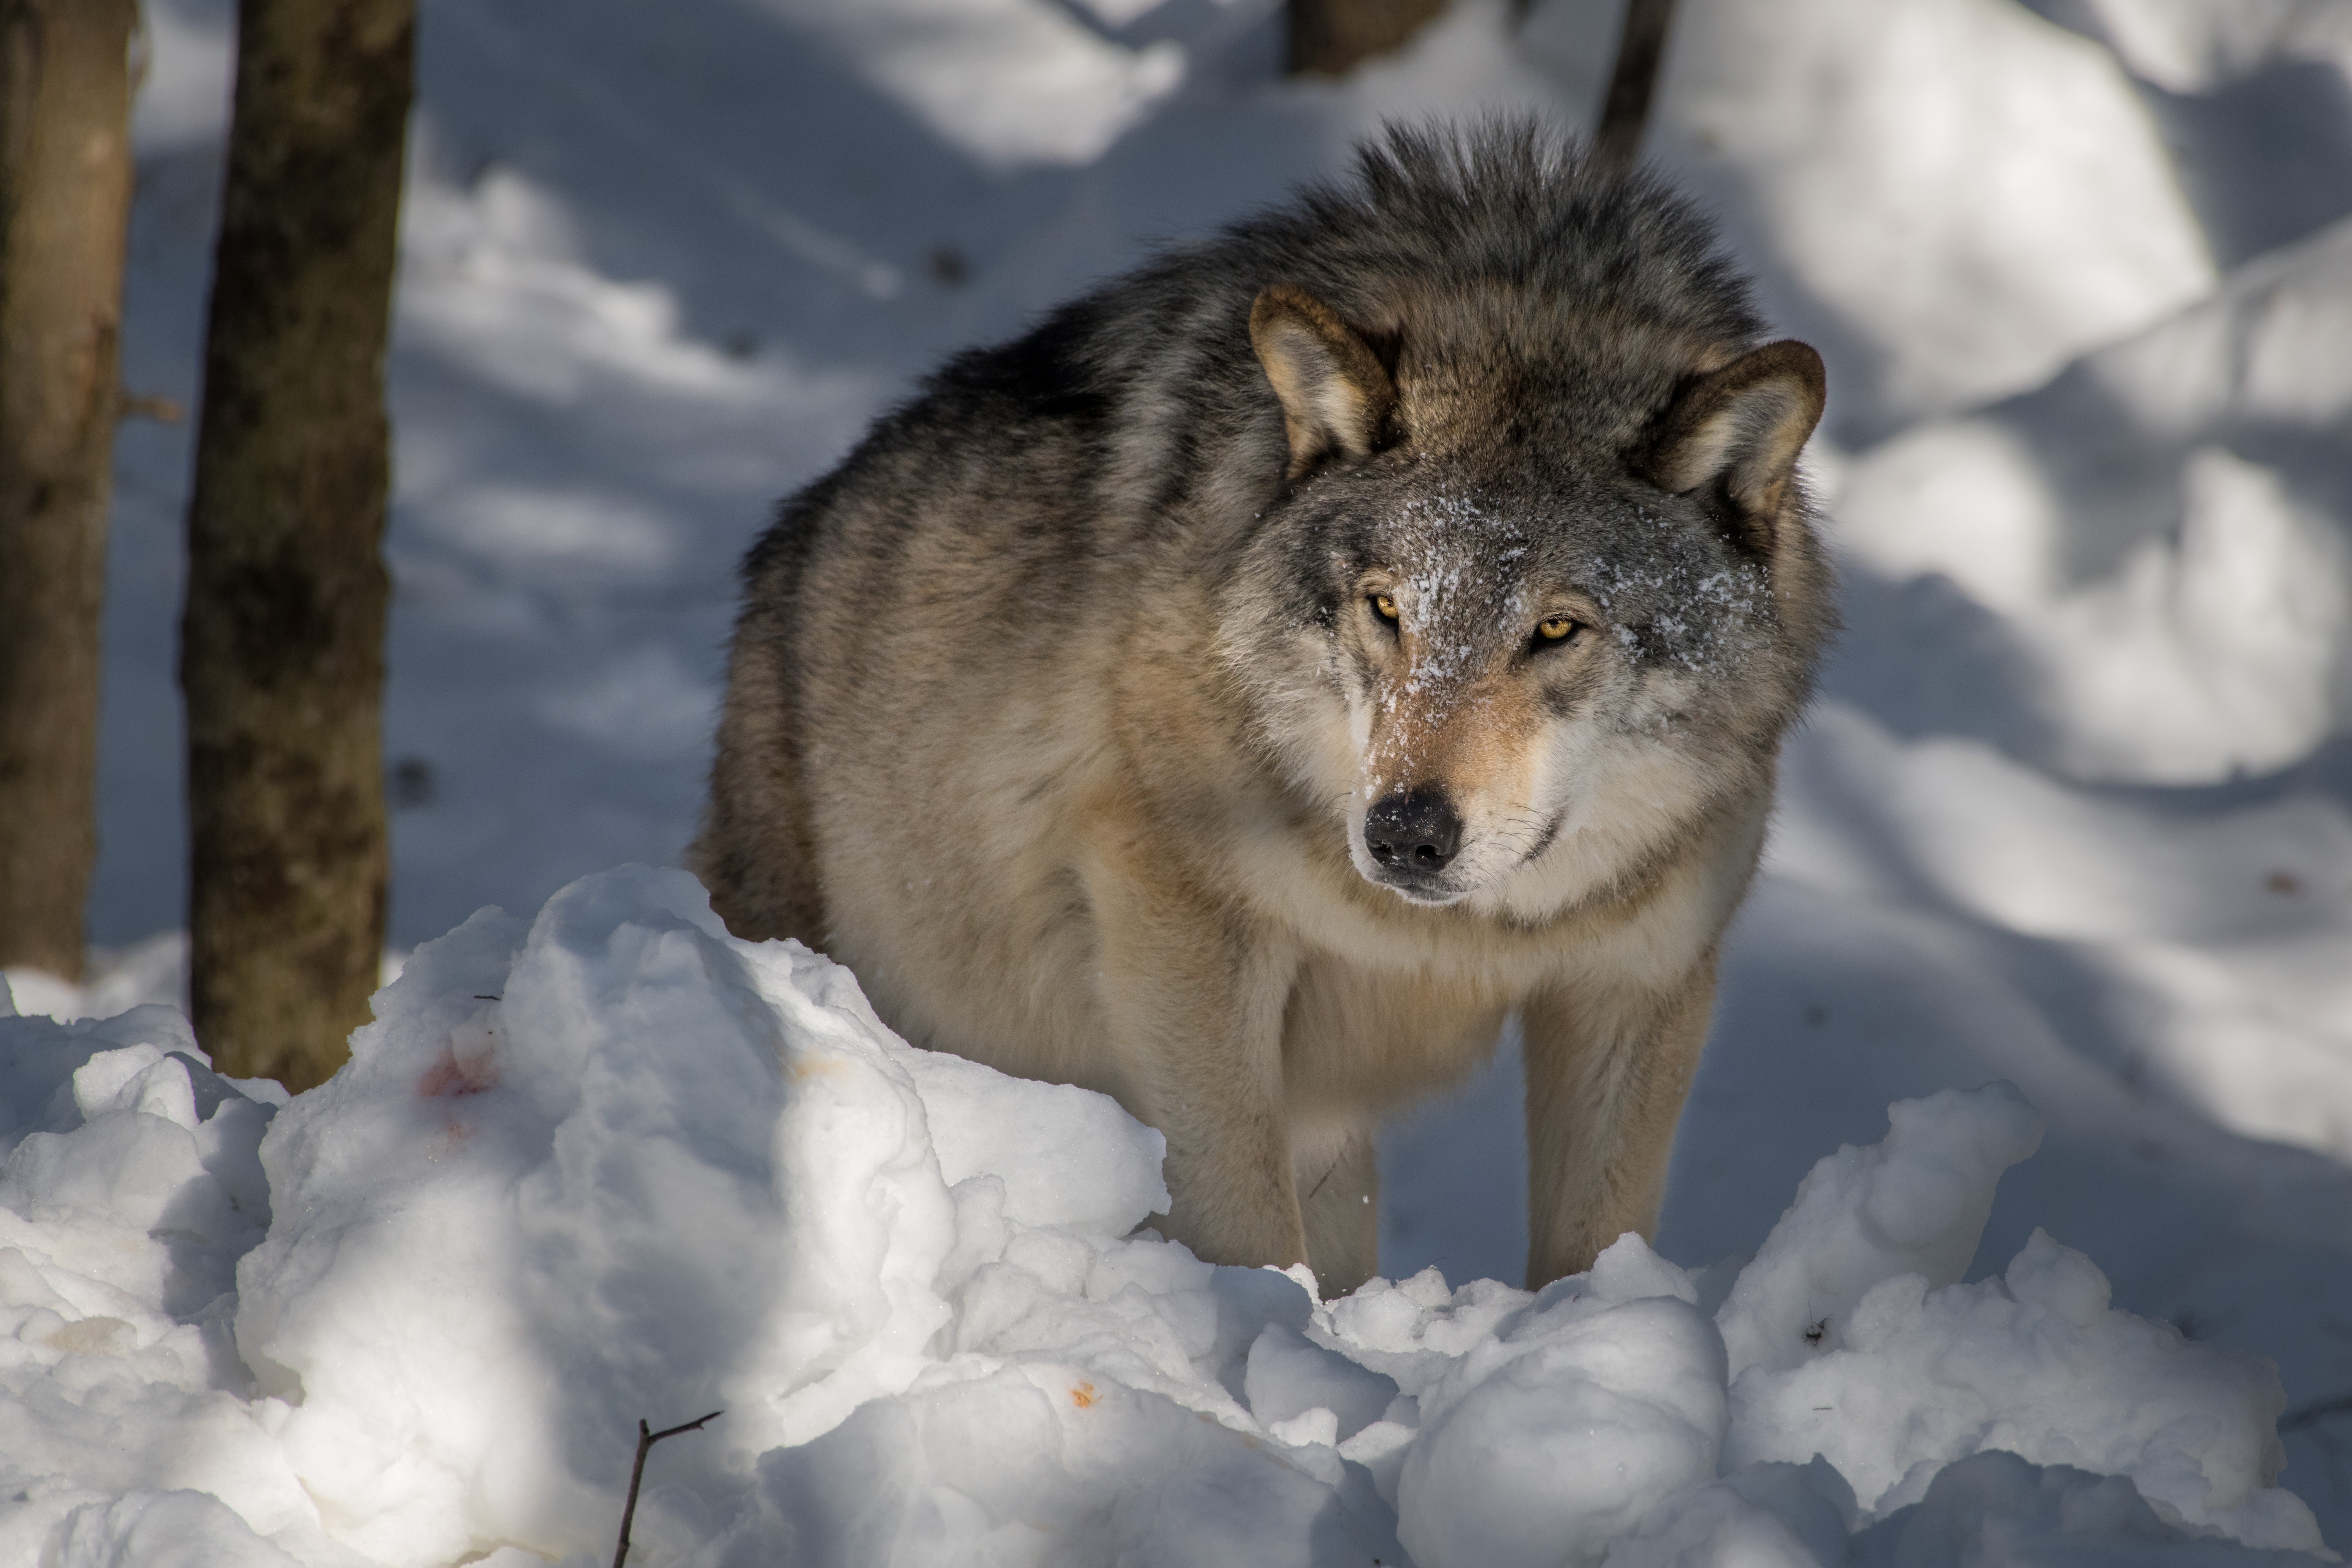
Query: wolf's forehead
x,y
1460,551
1444,525
1471,548
1476,565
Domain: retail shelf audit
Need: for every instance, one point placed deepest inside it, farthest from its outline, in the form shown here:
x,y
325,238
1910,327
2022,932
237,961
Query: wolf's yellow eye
x,y
1384,606
1557,629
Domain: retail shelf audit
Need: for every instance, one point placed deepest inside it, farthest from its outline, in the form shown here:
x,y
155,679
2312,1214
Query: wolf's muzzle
x,y
1413,832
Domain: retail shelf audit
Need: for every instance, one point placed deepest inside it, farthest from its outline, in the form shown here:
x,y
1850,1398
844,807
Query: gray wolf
x,y
1241,693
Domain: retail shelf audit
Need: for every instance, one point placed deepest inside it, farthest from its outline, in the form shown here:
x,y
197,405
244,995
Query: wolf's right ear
x,y
1336,395
1742,425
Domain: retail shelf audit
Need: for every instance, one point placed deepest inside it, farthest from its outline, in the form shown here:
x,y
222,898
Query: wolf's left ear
x,y
1742,427
1336,395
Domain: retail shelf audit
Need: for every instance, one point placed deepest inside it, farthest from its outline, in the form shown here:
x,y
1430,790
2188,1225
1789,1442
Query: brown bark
x,y
65,200
1640,50
281,642
1329,37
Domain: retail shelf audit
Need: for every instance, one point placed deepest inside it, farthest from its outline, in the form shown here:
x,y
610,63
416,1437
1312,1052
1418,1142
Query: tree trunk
x,y
281,642
65,202
1327,38
1640,50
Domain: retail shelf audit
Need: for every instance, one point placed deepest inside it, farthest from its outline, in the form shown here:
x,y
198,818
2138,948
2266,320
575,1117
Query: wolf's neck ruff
x,y
1240,693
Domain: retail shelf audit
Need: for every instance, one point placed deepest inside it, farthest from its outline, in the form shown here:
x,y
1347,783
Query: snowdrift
x,y
613,1164
2148,557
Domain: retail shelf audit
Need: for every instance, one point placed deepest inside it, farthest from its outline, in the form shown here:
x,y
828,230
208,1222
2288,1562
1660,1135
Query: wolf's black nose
x,y
1413,830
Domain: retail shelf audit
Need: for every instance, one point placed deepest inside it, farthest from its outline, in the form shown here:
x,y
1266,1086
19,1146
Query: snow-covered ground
x,y
2075,813
613,1160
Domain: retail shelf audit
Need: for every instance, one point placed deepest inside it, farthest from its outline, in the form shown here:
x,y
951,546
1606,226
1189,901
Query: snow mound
x,y
2153,549
613,1162
1951,198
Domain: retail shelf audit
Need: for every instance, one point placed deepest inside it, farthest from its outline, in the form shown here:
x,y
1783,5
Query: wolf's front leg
x,y
1195,996
1338,1176
1607,1076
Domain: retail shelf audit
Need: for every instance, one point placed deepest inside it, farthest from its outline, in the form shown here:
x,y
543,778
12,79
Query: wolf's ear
x,y
1741,426
1336,395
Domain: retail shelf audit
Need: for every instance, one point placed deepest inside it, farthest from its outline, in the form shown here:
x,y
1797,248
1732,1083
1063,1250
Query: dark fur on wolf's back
x,y
1245,690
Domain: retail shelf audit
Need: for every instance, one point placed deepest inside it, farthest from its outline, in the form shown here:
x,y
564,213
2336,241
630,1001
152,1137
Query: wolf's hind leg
x,y
763,877
1339,1198
757,850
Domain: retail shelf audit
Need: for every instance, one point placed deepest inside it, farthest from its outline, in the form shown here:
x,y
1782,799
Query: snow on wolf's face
x,y
1513,685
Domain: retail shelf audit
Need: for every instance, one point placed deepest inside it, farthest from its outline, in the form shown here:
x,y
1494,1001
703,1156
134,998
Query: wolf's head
x,y
1540,590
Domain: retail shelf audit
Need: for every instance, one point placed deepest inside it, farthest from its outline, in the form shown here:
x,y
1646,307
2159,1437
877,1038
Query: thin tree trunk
x,y
281,642
1329,37
1640,50
65,202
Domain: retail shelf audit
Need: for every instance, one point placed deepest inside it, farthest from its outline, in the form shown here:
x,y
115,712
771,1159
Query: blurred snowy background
x,y
2075,809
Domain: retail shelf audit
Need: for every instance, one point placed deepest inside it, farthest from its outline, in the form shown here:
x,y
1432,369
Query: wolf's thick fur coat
x,y
1243,691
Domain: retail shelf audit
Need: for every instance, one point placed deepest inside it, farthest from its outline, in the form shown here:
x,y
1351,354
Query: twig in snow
x,y
645,1440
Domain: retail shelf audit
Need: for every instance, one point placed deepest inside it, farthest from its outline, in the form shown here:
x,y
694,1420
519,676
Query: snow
x,y
1587,1409
2155,529
1914,1205
1008,82
2036,1364
1922,169
2074,815
614,1160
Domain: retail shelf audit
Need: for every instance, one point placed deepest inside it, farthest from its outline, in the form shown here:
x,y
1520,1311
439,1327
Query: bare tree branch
x,y
646,1441
1329,37
1641,48
148,406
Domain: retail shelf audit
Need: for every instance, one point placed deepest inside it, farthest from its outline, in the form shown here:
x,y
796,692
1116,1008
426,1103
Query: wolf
x,y
1244,692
